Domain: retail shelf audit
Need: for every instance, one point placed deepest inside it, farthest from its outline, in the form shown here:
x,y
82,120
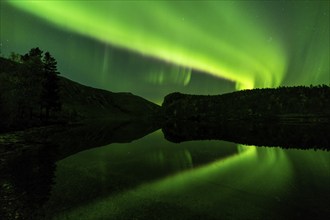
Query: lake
x,y
152,178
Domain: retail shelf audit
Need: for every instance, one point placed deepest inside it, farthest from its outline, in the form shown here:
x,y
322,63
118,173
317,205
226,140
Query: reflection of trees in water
x,y
26,183
268,133
27,177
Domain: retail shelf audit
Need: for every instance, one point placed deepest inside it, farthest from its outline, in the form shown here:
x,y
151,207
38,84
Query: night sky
x,y
153,48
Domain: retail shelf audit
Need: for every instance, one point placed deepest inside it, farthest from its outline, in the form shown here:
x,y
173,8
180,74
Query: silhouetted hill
x,y
97,103
285,103
78,101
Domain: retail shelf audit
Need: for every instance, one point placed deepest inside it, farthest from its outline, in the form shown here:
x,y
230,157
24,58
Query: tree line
x,y
30,95
280,103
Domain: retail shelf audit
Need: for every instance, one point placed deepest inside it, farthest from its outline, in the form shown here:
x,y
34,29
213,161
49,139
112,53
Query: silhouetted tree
x,y
30,85
2,125
33,60
50,99
15,57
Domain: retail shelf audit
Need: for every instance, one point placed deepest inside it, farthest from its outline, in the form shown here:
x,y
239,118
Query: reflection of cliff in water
x,y
71,139
285,135
99,133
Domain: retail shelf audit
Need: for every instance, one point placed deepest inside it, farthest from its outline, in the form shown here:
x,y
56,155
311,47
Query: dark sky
x,y
154,48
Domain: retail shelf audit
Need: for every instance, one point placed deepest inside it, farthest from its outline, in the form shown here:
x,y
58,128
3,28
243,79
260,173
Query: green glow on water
x,y
229,43
220,182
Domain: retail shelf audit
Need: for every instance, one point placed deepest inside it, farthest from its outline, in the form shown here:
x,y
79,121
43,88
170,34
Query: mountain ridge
x,y
79,102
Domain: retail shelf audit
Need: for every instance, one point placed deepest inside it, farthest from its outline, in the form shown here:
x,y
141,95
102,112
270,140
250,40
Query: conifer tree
x,y
30,85
50,98
33,60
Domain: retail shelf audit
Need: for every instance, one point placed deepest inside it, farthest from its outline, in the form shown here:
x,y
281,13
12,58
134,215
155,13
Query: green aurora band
x,y
227,43
252,43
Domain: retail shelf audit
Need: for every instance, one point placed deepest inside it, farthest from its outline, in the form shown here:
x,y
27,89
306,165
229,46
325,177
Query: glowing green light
x,y
260,173
225,42
216,183
172,75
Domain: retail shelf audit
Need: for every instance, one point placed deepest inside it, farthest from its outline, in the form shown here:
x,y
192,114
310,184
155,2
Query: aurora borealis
x,y
153,48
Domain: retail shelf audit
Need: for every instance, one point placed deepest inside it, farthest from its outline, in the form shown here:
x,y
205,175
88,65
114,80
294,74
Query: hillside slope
x,y
95,103
78,101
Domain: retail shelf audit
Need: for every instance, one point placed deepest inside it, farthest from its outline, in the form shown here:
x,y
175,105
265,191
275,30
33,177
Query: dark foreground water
x,y
152,178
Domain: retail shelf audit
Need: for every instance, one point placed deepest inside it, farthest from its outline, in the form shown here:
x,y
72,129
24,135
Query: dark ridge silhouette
x,y
289,117
91,103
19,111
294,104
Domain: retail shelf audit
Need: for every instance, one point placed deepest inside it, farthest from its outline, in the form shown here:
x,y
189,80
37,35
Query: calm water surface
x,y
152,178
